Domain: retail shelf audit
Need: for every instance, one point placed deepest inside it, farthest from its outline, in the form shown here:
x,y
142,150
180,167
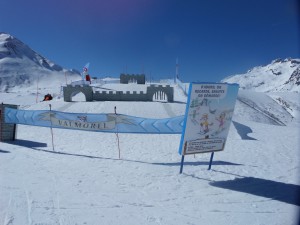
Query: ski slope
x,y
254,181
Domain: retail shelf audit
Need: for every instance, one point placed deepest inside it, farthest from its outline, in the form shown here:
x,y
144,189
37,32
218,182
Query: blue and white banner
x,y
209,111
110,123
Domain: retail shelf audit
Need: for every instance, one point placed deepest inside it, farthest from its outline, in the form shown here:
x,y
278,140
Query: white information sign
x,y
208,117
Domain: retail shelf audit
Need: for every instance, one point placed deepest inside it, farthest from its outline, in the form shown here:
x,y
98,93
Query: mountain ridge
x,y
22,66
281,75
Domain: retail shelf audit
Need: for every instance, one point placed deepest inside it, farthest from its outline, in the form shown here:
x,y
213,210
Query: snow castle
x,y
161,92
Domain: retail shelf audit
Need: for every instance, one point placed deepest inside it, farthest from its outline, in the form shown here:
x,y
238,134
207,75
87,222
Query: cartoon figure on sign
x,y
194,115
205,124
221,120
194,103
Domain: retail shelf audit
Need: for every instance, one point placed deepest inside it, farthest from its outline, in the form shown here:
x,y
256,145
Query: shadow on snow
x,y
288,193
35,146
2,151
137,161
220,163
243,131
28,144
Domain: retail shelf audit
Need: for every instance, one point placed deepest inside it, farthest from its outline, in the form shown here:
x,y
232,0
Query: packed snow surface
x,y
81,180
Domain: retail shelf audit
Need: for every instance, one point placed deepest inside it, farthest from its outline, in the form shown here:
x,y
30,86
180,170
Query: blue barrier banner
x,y
111,123
209,111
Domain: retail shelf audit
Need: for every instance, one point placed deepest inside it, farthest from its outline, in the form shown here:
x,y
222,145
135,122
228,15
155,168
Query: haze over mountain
x,y
22,66
280,75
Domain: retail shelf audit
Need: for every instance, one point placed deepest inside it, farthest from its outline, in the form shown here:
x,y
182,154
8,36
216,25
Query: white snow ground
x,y
253,181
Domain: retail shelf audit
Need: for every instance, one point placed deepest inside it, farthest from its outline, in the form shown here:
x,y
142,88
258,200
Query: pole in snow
x,y
177,69
181,164
51,129
211,159
37,89
66,78
117,135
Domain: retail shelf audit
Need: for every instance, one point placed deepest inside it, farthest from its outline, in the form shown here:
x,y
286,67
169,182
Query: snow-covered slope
x,y
253,181
268,108
278,76
21,66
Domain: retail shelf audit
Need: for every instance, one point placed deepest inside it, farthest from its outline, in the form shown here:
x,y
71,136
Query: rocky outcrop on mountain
x,y
279,76
22,66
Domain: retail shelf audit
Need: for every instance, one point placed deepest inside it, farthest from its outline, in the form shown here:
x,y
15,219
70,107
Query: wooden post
x,y
117,135
51,128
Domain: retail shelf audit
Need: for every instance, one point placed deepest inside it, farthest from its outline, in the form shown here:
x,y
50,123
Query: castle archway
x,y
71,91
160,96
78,97
160,93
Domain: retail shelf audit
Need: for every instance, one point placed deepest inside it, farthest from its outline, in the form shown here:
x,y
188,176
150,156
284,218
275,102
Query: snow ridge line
x,y
265,113
284,105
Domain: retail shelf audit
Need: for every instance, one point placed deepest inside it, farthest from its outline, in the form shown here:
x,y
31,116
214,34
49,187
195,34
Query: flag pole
x,y
66,78
37,89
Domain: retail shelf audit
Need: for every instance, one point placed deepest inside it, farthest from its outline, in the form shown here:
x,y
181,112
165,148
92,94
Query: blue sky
x,y
212,39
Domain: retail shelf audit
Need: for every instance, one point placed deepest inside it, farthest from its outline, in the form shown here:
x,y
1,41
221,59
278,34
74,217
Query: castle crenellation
x,y
157,91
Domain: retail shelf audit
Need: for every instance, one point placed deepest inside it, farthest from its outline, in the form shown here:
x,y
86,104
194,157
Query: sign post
x,y
181,164
209,111
211,159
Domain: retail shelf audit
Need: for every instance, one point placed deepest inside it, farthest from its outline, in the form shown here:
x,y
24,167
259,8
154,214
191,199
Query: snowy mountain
x,y
22,66
280,75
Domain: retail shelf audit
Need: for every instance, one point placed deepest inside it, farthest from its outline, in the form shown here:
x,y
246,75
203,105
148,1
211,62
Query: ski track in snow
x,y
168,109
275,120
